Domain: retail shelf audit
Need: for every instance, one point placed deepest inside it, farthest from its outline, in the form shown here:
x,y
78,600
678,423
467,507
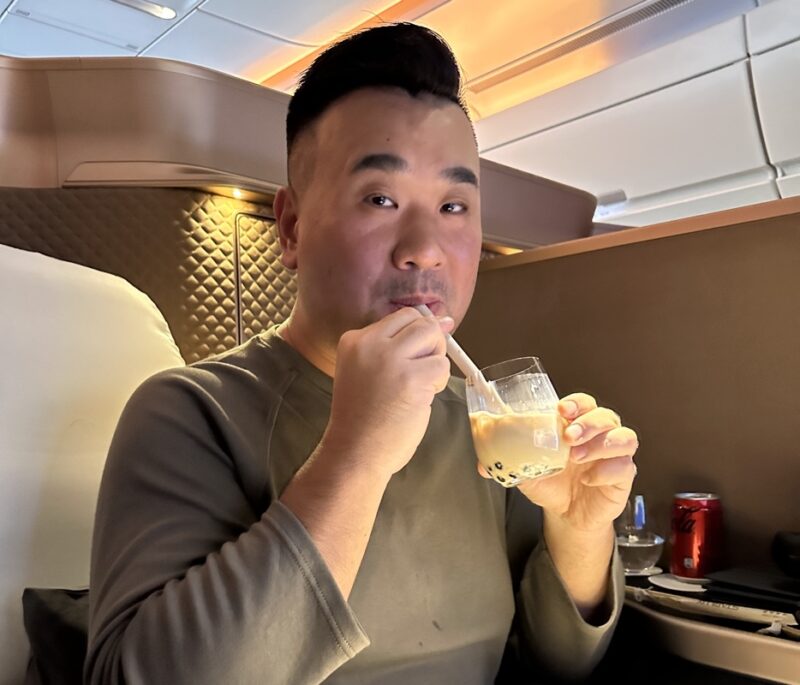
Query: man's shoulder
x,y
251,367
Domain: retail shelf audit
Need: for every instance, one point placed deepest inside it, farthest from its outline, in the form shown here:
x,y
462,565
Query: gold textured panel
x,y
267,288
175,245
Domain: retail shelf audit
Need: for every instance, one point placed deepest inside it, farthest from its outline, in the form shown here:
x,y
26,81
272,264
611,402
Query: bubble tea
x,y
518,433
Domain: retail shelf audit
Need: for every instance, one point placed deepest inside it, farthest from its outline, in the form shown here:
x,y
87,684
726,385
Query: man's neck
x,y
296,333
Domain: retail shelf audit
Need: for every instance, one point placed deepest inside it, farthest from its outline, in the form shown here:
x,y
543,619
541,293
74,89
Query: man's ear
x,y
285,208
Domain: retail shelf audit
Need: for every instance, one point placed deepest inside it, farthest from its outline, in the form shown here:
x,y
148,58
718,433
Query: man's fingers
x,y
420,338
614,472
576,404
391,324
446,323
618,442
591,424
434,369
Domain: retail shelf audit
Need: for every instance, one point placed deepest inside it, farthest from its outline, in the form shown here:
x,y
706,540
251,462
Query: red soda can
x,y
696,537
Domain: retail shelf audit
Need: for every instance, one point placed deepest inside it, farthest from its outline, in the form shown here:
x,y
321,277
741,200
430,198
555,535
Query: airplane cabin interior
x,y
640,204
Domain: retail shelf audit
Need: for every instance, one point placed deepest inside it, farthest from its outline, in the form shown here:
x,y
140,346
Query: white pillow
x,y
74,345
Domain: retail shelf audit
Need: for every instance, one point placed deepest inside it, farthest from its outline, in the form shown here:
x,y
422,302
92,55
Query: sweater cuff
x,y
556,635
542,568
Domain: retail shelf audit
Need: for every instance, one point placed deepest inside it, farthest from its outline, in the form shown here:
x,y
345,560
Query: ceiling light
x,y
237,193
160,11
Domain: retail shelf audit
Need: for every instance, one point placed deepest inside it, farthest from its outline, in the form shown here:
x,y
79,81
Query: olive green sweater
x,y
200,575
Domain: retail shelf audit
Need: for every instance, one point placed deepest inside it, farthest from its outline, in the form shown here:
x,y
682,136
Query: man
x,y
306,508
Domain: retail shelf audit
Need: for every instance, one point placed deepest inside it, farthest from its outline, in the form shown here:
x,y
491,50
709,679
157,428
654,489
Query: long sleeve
x,y
550,637
190,583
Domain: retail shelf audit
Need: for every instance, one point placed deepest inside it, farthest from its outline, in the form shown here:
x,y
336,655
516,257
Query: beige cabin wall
x,y
691,331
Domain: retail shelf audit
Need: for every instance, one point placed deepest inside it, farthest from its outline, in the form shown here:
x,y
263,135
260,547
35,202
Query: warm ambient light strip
x,y
624,19
400,11
593,34
160,11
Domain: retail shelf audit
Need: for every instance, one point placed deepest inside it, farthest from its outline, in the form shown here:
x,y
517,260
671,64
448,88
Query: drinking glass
x,y
516,427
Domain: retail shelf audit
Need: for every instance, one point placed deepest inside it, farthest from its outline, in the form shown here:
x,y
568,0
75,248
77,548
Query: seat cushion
x,y
56,622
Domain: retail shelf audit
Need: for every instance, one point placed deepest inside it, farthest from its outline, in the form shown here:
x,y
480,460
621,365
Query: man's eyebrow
x,y
385,161
460,174
382,161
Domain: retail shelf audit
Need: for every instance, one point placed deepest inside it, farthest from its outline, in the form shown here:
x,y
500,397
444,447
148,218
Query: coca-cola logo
x,y
683,521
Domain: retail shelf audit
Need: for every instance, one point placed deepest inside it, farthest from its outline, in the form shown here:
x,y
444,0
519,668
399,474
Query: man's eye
x,y
454,208
381,201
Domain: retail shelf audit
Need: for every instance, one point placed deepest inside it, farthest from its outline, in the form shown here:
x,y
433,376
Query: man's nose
x,y
418,245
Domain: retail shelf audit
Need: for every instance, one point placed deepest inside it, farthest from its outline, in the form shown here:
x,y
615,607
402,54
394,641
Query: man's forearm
x,y
583,561
337,505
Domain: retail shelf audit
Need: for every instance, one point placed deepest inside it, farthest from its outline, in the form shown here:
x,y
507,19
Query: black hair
x,y
401,55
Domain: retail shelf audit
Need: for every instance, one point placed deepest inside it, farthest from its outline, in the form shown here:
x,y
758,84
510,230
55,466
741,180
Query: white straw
x,y
469,368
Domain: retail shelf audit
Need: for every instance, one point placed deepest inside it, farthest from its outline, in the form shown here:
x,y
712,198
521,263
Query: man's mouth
x,y
414,300
433,303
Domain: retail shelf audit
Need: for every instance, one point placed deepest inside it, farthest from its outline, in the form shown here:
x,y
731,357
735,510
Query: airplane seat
x,y
76,342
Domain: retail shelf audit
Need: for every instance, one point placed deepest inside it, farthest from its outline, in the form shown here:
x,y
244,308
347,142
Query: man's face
x,y
387,210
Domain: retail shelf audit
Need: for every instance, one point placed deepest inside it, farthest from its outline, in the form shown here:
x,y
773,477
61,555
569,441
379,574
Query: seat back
x,y
74,344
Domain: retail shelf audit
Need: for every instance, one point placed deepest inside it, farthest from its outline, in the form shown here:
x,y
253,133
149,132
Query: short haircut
x,y
402,55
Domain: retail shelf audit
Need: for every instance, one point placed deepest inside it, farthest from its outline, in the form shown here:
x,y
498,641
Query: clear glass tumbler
x,y
522,437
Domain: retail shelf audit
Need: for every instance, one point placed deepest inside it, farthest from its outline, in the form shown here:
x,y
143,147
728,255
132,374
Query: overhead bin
x,y
138,121
523,210
144,122
691,148
775,78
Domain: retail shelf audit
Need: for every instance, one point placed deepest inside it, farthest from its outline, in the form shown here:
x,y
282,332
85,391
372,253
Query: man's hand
x,y
387,375
581,502
592,491
594,487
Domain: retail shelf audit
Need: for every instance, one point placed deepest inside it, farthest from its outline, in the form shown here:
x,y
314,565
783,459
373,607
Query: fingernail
x,y
574,431
570,407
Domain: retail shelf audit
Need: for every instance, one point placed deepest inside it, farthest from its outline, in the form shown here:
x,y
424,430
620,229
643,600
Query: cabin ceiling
x,y
555,88
502,47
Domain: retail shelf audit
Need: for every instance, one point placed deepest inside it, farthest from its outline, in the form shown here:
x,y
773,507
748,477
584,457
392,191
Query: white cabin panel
x,y
109,22
228,47
776,75
773,24
697,54
21,37
699,132
311,22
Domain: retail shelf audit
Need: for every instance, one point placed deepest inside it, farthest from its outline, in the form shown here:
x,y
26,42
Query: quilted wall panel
x,y
267,288
178,246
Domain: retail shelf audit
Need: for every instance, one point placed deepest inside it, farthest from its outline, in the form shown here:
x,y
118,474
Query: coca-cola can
x,y
696,537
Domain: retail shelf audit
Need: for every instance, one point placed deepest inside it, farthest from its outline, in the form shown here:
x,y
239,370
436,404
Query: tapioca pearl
x,y
513,476
498,465
501,479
